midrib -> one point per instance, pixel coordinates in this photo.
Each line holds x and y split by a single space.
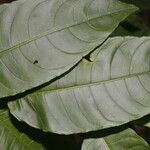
92 84
51 31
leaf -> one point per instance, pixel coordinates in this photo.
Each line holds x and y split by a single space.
124 140
11 138
40 40
112 90
147 125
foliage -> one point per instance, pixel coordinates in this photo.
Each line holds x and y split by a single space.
64 70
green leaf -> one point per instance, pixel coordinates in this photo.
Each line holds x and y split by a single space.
147 125
40 40
11 138
112 90
125 140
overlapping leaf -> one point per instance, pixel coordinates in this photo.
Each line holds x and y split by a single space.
147 125
110 91
42 39
125 140
11 138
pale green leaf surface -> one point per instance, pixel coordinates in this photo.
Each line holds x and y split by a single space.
147 125
42 39
11 138
112 90
125 140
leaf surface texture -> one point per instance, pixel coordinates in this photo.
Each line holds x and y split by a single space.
11 138
112 90
125 140
42 39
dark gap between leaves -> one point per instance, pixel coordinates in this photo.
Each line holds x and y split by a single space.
74 141
142 131
116 129
6 1
50 141
129 27
144 15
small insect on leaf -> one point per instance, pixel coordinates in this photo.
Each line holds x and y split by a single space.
35 62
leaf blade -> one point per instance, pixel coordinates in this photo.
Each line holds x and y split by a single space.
11 138
34 31
124 140
104 93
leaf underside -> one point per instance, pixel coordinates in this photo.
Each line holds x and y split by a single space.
125 140
147 125
112 90
37 45
11 138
